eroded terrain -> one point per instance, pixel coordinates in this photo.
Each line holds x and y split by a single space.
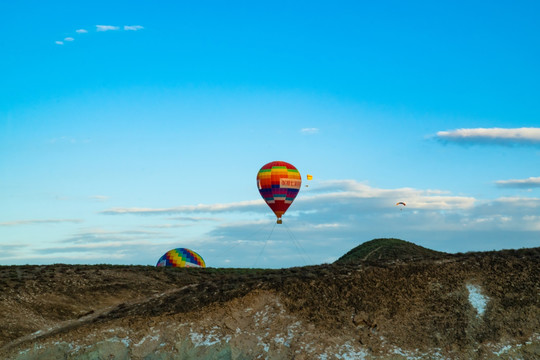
474 305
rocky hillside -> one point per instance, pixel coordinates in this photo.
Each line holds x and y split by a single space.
462 306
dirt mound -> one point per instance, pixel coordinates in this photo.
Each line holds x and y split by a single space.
388 249
474 305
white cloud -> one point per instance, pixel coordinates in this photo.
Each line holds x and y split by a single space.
99 197
167 226
330 193
344 190
323 223
532 182
101 28
330 224
326 226
519 201
96 246
492 135
106 28
39 221
104 236
63 140
201 208
309 131
194 218
342 205
133 27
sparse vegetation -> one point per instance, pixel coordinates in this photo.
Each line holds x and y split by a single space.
388 249
384 288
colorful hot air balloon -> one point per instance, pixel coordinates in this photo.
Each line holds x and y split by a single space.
279 183
181 257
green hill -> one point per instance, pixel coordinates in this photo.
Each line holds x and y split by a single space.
388 249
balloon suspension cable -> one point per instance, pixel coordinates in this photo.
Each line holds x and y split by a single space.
239 242
299 246
262 250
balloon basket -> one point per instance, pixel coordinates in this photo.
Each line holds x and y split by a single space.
279 221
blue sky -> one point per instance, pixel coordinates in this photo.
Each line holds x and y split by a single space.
130 128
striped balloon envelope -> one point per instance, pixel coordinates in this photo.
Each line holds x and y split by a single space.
279 183
181 257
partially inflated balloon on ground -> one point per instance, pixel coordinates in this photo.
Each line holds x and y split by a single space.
279 183
181 257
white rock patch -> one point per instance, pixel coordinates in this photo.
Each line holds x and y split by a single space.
477 300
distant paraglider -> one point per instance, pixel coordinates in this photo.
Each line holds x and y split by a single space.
181 257
402 205
279 183
309 178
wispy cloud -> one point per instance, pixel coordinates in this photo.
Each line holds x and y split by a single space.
309 131
39 221
183 221
193 218
167 226
337 205
532 182
133 27
63 139
100 28
492 136
331 224
101 246
96 251
107 27
325 222
185 209
350 191
329 192
99 197
100 236
8 249
518 202
68 140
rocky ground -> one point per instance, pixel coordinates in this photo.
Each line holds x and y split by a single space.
463 306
